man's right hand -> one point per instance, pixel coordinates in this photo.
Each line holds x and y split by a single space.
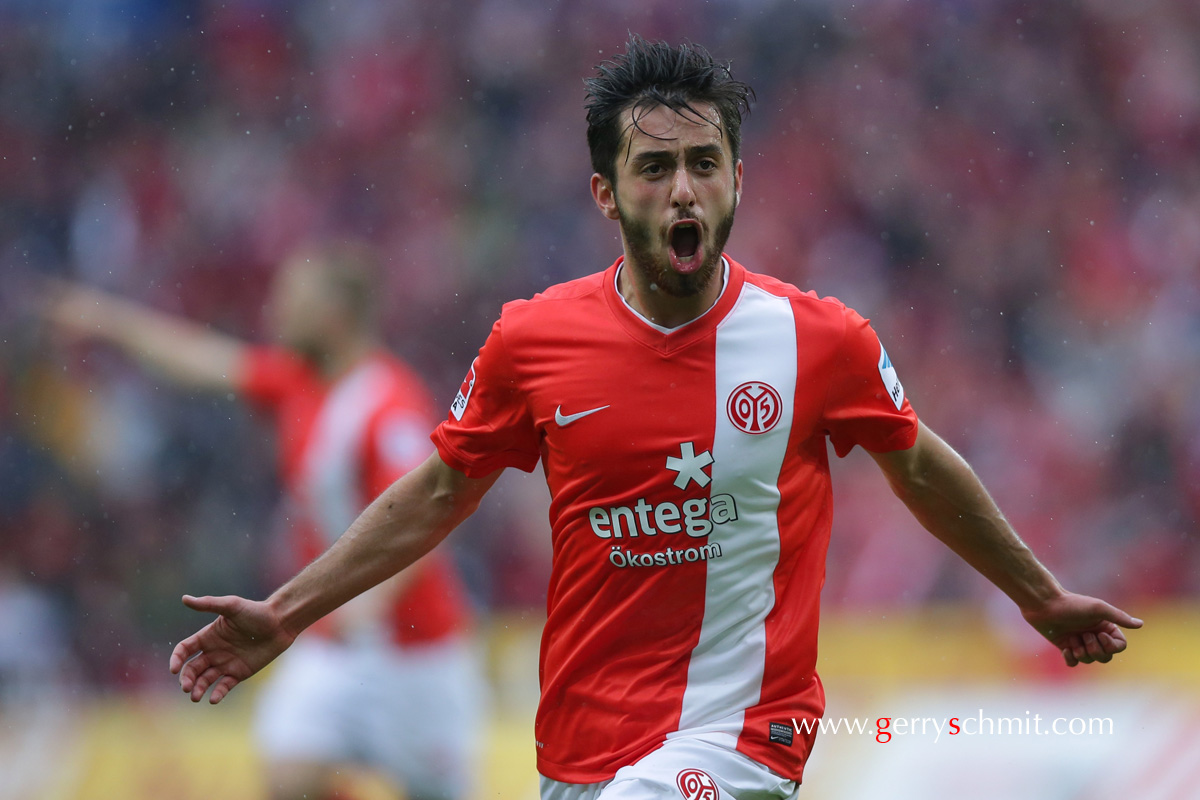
78 310
187 353
242 640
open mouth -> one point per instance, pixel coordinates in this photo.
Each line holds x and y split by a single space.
685 240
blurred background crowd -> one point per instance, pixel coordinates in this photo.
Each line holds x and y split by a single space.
1010 190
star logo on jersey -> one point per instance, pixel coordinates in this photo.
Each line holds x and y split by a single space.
689 466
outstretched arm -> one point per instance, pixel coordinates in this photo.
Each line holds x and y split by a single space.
404 523
183 351
946 496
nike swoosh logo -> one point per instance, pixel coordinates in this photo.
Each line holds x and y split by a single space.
564 420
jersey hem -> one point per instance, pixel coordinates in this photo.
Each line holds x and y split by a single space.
458 460
578 776
902 439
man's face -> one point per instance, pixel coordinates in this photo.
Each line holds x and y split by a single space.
300 309
676 191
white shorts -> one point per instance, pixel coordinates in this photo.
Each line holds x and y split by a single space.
687 768
415 713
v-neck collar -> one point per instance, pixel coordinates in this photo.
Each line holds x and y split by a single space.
667 340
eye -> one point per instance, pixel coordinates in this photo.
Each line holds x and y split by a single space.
706 165
652 169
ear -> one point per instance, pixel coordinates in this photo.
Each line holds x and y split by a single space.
737 183
605 196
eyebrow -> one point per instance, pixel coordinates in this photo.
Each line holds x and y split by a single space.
692 152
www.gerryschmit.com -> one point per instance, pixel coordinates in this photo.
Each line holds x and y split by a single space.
884 728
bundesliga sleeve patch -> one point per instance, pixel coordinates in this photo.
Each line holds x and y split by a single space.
891 381
459 406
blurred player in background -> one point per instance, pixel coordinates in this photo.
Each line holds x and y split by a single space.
390 680
681 407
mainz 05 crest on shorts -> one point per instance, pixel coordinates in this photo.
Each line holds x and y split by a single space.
695 784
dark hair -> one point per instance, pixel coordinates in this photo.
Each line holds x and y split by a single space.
651 74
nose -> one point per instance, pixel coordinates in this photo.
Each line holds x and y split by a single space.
682 195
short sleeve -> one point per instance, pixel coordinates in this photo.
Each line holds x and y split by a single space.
267 375
489 426
866 405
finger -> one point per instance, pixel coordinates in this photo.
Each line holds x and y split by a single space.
221 688
206 679
186 650
216 605
182 652
193 670
1114 614
1079 650
1094 650
1069 657
1112 643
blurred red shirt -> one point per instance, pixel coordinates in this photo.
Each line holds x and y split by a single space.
342 444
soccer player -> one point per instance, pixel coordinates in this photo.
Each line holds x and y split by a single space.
389 680
680 406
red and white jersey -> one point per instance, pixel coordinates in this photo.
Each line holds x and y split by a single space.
340 445
690 505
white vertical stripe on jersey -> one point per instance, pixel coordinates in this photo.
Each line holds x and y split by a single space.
333 493
756 342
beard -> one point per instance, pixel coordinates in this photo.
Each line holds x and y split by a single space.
639 239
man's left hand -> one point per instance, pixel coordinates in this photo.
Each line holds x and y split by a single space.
1084 628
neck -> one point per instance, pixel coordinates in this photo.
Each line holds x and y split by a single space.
661 308
335 361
